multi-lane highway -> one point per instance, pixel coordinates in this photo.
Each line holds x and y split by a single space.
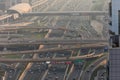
5 16
39 71
88 72
53 33
52 42
52 59
40 48
52 49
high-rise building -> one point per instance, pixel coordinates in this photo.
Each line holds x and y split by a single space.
116 16
114 64
114 56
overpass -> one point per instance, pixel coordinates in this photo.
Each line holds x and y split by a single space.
5 16
11 35
91 68
67 13
50 42
52 59
23 9
51 49
15 27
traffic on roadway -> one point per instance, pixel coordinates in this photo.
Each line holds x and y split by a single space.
53 39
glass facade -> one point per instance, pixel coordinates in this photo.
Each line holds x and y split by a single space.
119 21
114 64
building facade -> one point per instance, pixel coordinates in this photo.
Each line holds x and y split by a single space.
114 64
116 16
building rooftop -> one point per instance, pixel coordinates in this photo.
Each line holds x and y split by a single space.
20 8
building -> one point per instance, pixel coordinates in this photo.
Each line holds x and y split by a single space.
115 16
114 64
4 4
114 56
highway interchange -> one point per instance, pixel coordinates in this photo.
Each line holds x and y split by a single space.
58 69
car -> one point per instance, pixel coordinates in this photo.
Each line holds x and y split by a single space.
92 65
73 79
48 62
56 78
10 71
32 72
10 76
87 71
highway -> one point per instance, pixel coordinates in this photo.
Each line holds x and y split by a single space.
75 72
58 22
13 28
17 24
52 59
67 13
51 49
36 71
56 71
30 65
55 68
11 35
5 16
48 41
54 39
74 68
9 73
54 35
16 73
13 70
38 3
86 75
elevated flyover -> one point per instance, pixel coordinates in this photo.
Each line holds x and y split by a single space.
67 13
52 49
5 16
15 27
24 9
11 35
50 42
52 59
